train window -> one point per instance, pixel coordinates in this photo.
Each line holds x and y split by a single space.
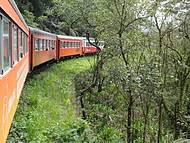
6 46
37 44
26 41
67 44
53 44
46 44
40 44
49 45
23 41
15 44
21 45
62 44
43 44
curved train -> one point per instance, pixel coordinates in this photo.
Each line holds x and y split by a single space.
22 48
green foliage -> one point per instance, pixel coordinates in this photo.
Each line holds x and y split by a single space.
29 18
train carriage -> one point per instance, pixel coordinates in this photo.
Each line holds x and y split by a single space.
42 47
88 48
69 46
14 63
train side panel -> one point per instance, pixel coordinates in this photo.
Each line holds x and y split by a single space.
43 56
11 85
14 64
90 50
70 52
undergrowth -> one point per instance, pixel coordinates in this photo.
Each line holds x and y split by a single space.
47 110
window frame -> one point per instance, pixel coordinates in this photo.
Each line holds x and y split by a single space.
2 63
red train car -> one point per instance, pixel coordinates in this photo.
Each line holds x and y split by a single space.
14 63
87 47
42 47
69 46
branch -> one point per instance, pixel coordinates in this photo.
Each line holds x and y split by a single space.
88 38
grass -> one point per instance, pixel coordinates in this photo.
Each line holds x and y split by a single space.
47 111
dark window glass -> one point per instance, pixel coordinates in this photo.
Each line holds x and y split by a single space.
43 44
64 44
46 44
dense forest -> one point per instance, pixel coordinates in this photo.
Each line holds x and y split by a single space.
138 90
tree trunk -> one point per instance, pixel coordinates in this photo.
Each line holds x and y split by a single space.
176 127
145 123
159 121
129 134
82 107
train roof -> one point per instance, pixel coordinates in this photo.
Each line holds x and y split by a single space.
73 37
12 2
39 32
69 37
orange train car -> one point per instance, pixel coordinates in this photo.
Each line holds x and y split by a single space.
69 46
87 47
14 63
42 47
